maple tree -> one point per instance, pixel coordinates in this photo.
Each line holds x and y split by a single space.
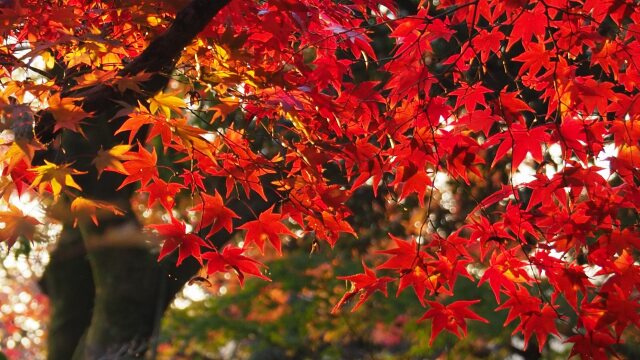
194 120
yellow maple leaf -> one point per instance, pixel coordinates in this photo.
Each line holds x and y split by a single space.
82 208
110 62
166 103
55 175
78 56
49 59
111 159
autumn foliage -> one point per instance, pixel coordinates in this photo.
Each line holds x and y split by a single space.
528 109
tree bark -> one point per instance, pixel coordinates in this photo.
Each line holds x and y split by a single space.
107 290
68 283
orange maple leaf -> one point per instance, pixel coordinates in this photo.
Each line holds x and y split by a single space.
16 224
67 113
111 159
82 207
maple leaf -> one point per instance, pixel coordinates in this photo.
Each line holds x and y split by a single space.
591 94
18 177
530 23
519 302
82 207
111 159
594 345
510 107
364 284
193 179
189 137
504 192
450 317
567 279
404 256
16 223
232 257
463 155
479 120
131 82
506 271
409 262
161 191
226 106
139 166
534 59
470 96
539 322
521 141
267 226
175 237
67 113
215 213
56 176
615 306
523 305
21 151
135 121
166 103
329 226
487 42
411 179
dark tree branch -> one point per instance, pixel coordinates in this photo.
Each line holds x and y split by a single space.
159 58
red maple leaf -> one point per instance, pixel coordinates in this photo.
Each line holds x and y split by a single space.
193 179
505 271
529 23
534 59
521 141
410 179
450 317
470 96
364 284
595 345
175 237
404 256
215 213
409 262
532 319
232 257
541 322
267 226
163 192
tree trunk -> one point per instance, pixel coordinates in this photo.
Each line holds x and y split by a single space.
69 284
107 290
132 291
